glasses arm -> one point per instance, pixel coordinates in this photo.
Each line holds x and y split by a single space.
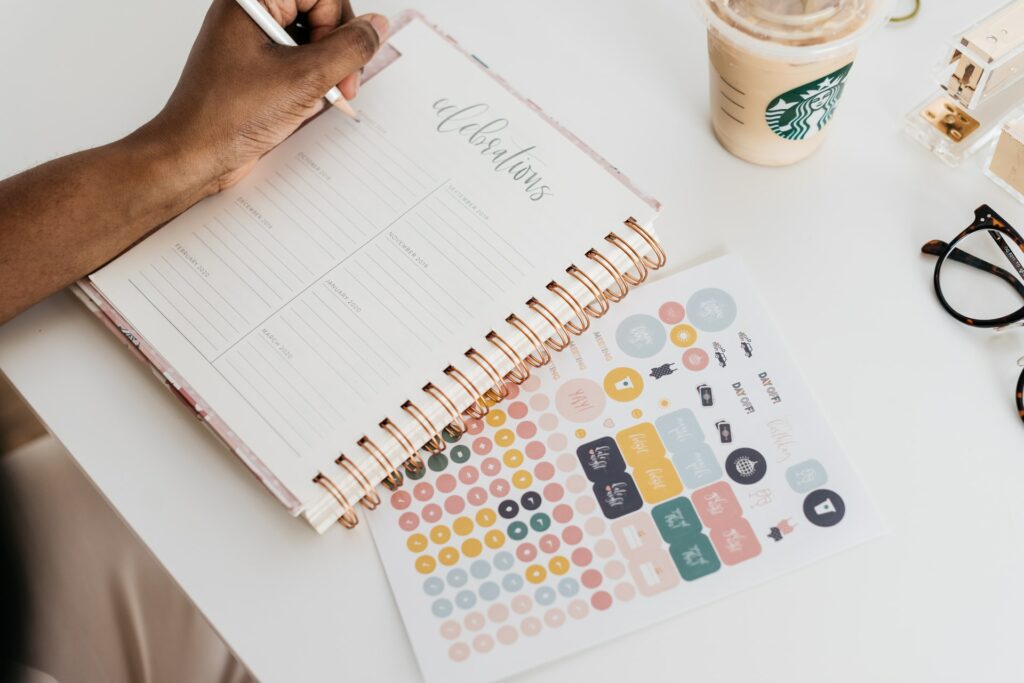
939 248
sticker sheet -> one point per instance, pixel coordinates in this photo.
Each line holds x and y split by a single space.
670 457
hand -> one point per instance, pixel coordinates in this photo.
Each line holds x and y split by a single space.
240 94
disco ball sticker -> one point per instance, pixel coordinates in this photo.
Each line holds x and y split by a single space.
746 466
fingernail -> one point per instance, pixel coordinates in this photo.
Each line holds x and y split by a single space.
380 25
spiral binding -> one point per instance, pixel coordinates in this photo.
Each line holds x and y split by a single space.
559 338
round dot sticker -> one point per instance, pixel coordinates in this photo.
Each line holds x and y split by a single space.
540 522
522 479
465 599
468 474
601 600
535 450
572 535
508 509
604 548
558 565
576 483
517 410
526 552
474 621
568 587
591 578
640 335
454 504
585 506
623 385
531 626
554 617
472 547
512 582
437 462
503 561
549 543
462 526
431 512
517 531
423 491
521 604
433 586
446 483
497 613
530 500
457 577
416 543
442 607
548 422
450 630
476 496
459 454
448 556
504 437
581 557
625 592
483 643
507 635
711 309
485 518
578 609
440 534
535 573
545 596
409 521
499 488
557 442
544 471
480 569
459 652
512 458
474 426
539 401
489 590
490 466
425 564
695 359
482 445
615 570
671 312
494 539
526 429
495 418
562 513
400 500
683 336
566 462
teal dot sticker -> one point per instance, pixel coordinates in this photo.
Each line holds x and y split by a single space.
711 310
641 336
465 599
417 474
457 578
503 561
540 522
513 583
489 590
460 454
450 438
437 462
480 569
441 608
545 595
568 587
517 531
433 586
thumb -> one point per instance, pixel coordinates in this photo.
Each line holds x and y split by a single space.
346 49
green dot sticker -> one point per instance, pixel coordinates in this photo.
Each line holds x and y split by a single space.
417 474
449 437
517 531
539 522
460 454
437 462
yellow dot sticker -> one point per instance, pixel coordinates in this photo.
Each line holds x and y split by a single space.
440 534
494 539
485 517
462 526
522 479
580 433
416 543
513 458
536 573
637 413
558 565
683 335
448 556
425 564
504 437
472 547
495 418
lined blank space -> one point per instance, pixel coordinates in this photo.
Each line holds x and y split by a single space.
255 397
344 377
467 241
255 241
231 250
465 262
275 396
459 215
289 372
213 290
215 253
328 327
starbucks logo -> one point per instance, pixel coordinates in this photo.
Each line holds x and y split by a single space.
803 111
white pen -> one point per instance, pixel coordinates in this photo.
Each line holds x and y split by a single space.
276 33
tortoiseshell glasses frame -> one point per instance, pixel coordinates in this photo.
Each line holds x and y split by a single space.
1003 234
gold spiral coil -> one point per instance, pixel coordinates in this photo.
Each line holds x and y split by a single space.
520 371
499 387
599 298
394 476
556 325
436 444
479 408
369 499
414 463
577 308
616 275
632 255
540 355
647 237
457 425
348 516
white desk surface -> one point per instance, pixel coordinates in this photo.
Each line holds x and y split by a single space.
921 403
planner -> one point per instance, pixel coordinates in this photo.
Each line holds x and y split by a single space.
374 285
674 456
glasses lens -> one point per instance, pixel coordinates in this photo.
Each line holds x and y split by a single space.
979 280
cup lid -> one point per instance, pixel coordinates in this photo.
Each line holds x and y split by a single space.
791 27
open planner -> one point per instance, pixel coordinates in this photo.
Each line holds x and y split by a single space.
373 283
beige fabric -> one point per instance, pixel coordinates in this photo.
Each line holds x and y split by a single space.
103 608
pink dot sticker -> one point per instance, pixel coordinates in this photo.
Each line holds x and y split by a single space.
594 526
549 543
450 630
615 570
554 492
474 621
400 500
431 512
625 592
557 442
484 643
535 450
601 600
482 445
474 426
531 384
446 483
517 410
409 521
521 604
586 505
526 429
499 488
526 552
562 513
572 534
671 312
459 652
490 466
468 474
544 471
576 483
566 462
513 392
423 491
554 617
604 548
581 557
497 613
548 422
578 609
476 496
539 401
531 626
591 578
454 504
507 635
695 359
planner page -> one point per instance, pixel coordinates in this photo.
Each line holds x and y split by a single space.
673 457
359 259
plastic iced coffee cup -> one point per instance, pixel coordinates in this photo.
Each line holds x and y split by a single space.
778 69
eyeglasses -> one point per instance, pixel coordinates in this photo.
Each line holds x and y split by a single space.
972 287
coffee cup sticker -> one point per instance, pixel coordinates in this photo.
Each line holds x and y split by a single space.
641 445
601 459
676 519
679 428
716 503
634 533
746 466
695 557
618 497
697 465
653 571
824 508
623 384
736 541
658 481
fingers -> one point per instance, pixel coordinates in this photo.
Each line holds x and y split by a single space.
324 16
345 50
